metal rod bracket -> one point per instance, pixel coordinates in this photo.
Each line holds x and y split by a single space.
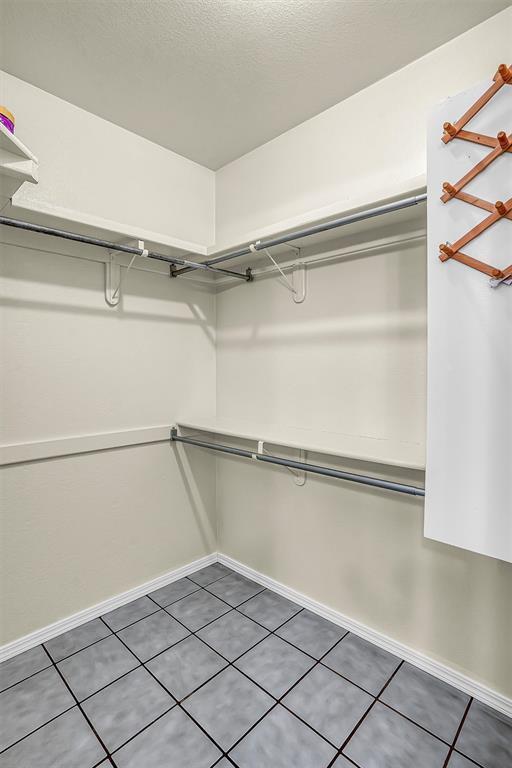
299 282
112 279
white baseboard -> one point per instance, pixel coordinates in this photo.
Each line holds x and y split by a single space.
466 684
64 625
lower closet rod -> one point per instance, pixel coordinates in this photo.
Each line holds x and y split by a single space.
27 225
327 471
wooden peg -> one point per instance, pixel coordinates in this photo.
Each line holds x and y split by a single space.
505 73
503 140
450 129
497 273
446 252
449 189
501 207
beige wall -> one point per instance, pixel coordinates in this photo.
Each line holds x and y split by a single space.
368 147
96 173
80 529
351 358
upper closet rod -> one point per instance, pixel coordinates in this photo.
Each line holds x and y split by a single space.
118 247
369 213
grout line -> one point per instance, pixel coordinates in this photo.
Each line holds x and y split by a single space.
93 729
163 607
38 728
116 680
457 733
279 700
231 664
4 690
58 661
203 586
470 760
418 725
103 759
365 715
136 621
178 704
148 725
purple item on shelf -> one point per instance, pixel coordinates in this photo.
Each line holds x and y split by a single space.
8 123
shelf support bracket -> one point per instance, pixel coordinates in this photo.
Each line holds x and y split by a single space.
297 285
299 476
113 275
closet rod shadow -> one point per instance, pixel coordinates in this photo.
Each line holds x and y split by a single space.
352 218
27 225
376 482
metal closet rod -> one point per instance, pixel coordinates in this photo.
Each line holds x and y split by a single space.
369 213
26 225
376 482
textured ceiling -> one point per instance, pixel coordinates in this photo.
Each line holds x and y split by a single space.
212 79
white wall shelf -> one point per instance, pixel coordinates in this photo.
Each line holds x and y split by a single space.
388 193
41 212
391 453
17 165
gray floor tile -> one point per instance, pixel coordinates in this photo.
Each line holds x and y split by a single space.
486 737
235 589
387 740
89 670
275 665
66 742
361 662
152 635
282 741
126 707
23 665
186 666
127 614
76 639
232 635
270 609
30 704
228 706
174 741
210 574
172 592
459 761
342 762
430 702
198 609
311 633
327 702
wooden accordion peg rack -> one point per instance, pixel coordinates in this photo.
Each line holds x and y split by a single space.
498 210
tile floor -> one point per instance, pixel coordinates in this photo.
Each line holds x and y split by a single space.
215 670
